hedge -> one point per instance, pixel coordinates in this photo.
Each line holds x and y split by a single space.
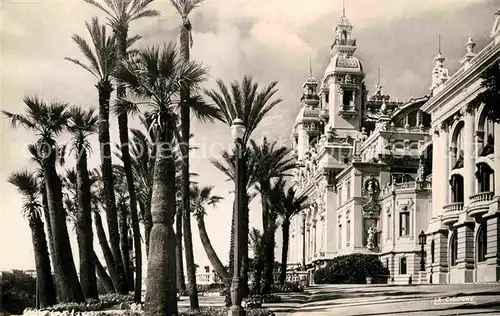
352 269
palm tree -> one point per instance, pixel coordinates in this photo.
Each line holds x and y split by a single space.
122 204
273 161
83 124
157 75
27 184
48 121
102 59
245 101
184 7
120 14
256 242
292 205
200 198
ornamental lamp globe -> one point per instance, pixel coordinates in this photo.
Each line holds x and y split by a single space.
422 238
238 129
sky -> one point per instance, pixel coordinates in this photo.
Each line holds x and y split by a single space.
267 39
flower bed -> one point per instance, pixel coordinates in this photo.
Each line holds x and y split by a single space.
104 301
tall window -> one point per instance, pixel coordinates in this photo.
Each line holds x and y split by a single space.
348 190
432 251
389 226
402 265
348 231
314 239
340 236
339 194
481 243
457 188
412 119
404 223
453 249
347 98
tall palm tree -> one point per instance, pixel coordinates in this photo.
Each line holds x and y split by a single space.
101 60
27 184
246 101
47 121
292 205
157 75
120 14
256 242
273 161
184 7
83 123
201 197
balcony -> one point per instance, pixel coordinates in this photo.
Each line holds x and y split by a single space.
480 203
451 211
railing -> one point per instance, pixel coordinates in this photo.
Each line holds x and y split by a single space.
481 197
405 185
296 276
206 278
454 207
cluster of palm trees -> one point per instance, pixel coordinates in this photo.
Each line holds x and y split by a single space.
163 86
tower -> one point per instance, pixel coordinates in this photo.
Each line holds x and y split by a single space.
343 80
439 73
307 125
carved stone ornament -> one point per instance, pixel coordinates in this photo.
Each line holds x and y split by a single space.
370 242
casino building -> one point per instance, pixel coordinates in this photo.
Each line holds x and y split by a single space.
379 171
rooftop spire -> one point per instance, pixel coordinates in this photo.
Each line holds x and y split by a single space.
310 66
343 8
378 76
439 43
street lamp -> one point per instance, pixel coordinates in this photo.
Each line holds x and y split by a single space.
238 132
304 240
422 240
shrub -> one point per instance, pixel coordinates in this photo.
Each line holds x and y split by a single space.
104 301
223 311
17 292
352 269
209 288
288 287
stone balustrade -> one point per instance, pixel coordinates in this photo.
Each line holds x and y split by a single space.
481 197
454 207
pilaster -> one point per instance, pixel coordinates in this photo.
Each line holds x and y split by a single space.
497 159
438 270
463 272
440 170
491 272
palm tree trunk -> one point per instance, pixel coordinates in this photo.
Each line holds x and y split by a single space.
179 262
127 164
231 242
84 233
103 276
105 90
211 254
269 255
106 250
124 249
244 234
47 225
64 265
285 227
161 292
148 223
46 286
185 125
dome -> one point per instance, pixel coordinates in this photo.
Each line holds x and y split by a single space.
308 114
344 63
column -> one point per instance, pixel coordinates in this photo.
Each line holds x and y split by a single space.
303 142
469 156
465 255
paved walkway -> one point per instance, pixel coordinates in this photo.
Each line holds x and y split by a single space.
375 300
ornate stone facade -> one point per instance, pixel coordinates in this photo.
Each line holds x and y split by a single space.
367 165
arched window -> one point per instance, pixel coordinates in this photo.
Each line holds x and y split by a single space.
412 118
402 265
481 243
457 188
457 146
432 251
453 249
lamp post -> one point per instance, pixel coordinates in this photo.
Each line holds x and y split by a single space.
237 131
304 240
422 240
